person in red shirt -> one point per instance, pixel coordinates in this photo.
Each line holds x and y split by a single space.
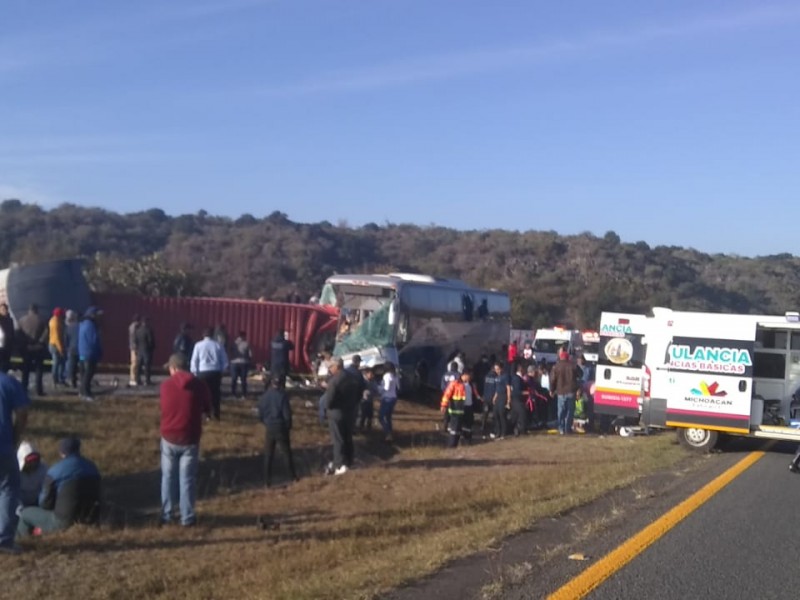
513 350
185 402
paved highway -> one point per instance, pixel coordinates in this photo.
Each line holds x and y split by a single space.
743 543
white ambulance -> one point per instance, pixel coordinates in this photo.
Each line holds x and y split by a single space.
709 373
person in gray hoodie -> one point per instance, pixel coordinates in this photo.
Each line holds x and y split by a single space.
241 358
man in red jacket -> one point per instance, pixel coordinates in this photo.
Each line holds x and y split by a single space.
185 401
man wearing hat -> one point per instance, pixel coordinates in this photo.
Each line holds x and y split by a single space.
90 351
70 494
14 404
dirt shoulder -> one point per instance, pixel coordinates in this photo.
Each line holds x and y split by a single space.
534 563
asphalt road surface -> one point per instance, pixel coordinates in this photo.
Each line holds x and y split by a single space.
743 543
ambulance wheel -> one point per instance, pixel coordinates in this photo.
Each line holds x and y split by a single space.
699 440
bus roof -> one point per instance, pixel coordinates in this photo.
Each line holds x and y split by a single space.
396 280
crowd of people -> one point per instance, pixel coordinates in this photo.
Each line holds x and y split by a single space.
517 396
514 396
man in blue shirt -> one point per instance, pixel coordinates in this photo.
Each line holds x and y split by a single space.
90 351
14 404
70 494
209 361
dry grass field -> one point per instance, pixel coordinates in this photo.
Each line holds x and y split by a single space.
403 511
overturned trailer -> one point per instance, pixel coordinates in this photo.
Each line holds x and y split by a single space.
62 284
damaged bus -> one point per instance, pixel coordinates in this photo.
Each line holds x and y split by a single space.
416 322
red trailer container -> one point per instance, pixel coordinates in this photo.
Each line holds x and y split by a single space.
308 325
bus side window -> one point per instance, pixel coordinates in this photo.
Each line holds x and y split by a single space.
402 330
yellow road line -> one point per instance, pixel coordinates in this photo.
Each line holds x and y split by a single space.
612 562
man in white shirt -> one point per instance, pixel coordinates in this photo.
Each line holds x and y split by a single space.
208 363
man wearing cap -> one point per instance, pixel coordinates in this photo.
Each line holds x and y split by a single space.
90 351
185 402
564 383
14 404
56 345
70 494
33 340
6 338
209 361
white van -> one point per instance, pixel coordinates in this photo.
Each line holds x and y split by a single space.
548 342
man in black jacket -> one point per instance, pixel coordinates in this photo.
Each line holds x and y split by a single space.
275 412
6 338
341 400
279 356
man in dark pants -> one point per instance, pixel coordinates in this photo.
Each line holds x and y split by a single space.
518 412
145 346
90 351
275 412
6 338
341 400
500 401
279 356
33 337
208 363
70 494
489 388
14 404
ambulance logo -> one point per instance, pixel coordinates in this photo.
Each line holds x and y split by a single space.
709 390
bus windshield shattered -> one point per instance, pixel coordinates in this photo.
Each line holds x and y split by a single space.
365 317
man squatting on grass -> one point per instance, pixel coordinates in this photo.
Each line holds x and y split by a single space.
70 494
185 401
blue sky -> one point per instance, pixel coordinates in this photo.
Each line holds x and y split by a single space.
672 122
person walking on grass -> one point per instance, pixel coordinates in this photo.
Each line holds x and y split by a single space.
14 403
90 351
279 356
454 405
341 399
564 382
241 358
185 401
209 361
275 412
388 400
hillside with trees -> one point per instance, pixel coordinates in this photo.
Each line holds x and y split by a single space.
551 278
